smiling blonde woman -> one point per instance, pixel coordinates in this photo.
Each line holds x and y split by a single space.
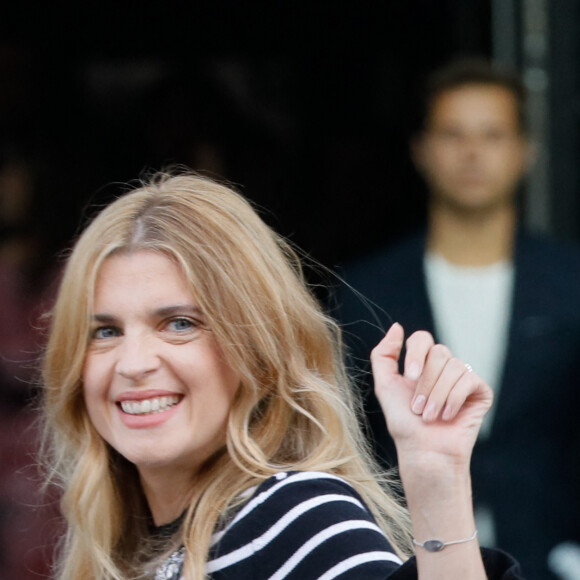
201 424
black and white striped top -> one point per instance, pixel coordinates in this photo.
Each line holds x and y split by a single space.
298 525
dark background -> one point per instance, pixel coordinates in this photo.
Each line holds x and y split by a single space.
306 106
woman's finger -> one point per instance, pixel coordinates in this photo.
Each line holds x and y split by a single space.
445 384
385 356
469 386
436 359
418 346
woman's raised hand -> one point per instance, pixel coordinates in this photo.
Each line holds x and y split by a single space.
435 409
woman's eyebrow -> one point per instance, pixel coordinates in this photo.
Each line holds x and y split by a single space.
103 318
178 309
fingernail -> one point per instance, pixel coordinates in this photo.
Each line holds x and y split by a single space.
419 404
430 412
413 370
447 413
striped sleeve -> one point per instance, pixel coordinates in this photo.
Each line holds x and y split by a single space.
302 525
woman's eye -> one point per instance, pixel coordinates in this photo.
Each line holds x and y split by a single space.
104 332
181 324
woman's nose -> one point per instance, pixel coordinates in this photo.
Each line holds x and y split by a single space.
137 358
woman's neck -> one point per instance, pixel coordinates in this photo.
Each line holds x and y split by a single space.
168 495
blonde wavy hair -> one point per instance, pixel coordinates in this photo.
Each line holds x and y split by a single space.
293 409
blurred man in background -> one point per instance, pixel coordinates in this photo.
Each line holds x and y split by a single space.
503 300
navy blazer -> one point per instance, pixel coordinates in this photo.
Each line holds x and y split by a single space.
528 470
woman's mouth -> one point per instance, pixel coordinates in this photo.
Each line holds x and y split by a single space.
149 406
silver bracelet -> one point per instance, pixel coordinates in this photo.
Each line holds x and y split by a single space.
438 545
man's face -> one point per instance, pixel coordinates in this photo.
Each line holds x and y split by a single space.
472 153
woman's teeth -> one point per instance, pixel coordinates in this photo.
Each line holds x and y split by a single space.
147 406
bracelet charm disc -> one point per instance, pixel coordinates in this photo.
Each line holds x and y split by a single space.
433 545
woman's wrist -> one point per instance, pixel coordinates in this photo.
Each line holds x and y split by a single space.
439 500
436 489
433 467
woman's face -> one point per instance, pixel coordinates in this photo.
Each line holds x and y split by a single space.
156 385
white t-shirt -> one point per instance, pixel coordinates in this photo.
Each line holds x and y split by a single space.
471 310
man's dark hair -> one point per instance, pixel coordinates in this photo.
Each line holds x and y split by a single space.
472 71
